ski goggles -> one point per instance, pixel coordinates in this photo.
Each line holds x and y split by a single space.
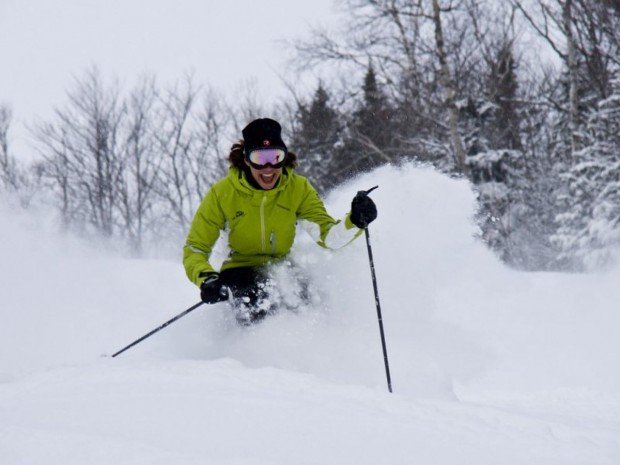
261 158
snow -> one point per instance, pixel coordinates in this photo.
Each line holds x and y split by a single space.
489 365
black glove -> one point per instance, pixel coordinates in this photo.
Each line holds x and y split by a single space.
363 210
212 290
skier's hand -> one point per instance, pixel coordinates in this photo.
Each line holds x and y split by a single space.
212 290
363 210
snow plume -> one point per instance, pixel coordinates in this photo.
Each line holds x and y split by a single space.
417 230
486 362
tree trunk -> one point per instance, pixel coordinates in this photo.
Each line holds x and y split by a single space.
573 98
450 90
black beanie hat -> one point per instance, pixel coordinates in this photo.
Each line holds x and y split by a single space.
262 133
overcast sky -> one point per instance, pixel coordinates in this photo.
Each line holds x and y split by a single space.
44 43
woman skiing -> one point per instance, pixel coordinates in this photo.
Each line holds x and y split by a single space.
259 203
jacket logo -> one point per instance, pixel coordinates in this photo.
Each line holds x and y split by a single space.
266 143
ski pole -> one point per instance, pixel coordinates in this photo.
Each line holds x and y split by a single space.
159 328
378 304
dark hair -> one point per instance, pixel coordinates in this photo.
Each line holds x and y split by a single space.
237 157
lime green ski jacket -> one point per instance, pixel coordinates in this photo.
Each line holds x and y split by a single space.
261 224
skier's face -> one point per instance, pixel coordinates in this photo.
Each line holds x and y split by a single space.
266 177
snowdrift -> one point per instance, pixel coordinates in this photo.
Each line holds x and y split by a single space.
489 365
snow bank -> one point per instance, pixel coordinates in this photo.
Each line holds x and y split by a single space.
187 412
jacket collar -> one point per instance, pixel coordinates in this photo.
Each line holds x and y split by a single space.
241 183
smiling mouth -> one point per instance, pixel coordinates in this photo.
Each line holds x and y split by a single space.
268 178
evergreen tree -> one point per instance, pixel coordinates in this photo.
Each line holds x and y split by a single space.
317 139
502 89
510 183
490 119
590 225
371 133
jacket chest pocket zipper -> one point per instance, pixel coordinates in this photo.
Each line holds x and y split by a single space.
272 241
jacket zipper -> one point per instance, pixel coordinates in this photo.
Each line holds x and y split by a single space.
262 223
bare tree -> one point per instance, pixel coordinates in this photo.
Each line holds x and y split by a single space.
584 35
83 156
209 161
132 166
175 140
189 142
7 169
141 163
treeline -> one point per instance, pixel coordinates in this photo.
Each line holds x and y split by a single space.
522 98
454 84
130 167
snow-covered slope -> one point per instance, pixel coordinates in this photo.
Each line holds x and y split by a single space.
488 365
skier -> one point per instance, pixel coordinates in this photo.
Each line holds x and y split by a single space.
259 203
